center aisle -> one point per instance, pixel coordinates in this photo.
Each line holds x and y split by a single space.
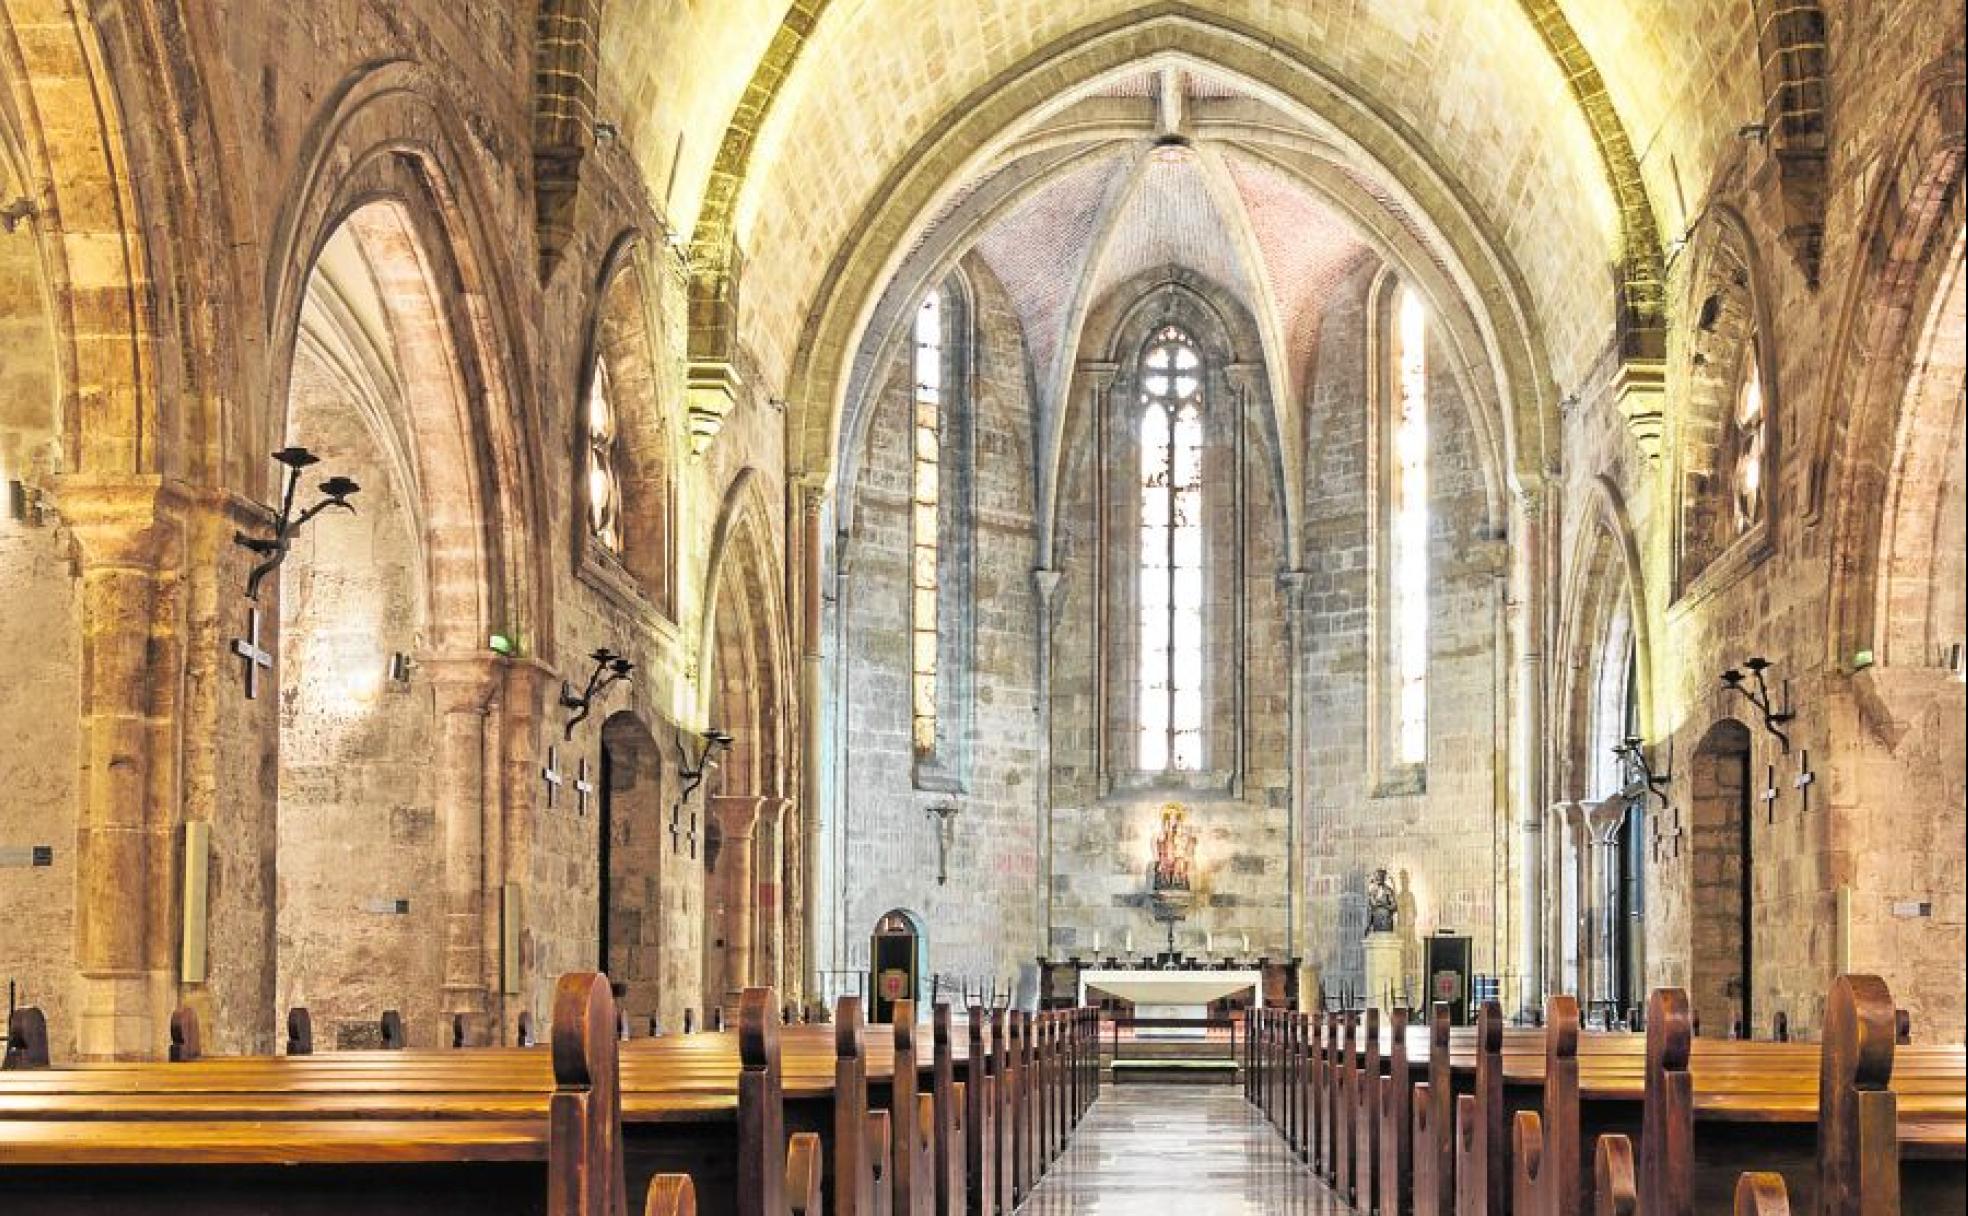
1178 1150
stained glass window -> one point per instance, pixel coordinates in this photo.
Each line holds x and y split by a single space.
604 483
1171 677
1747 423
926 499
1408 538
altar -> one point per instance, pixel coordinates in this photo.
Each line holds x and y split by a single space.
1172 994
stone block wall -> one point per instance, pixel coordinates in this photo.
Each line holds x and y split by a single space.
980 921
1442 840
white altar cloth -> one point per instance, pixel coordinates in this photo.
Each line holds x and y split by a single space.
1173 988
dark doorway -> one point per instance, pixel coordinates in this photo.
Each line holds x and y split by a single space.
1722 965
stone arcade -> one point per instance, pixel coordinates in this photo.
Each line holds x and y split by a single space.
1242 519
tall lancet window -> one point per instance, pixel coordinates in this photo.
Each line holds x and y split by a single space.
604 482
1171 678
1746 444
926 498
1408 535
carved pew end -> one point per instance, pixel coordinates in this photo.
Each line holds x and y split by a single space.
1618 1188
1762 1195
803 1172
185 1039
671 1195
27 1039
300 1031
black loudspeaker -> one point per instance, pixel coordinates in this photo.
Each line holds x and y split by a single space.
1449 974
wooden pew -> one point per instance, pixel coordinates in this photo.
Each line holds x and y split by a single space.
562 1159
1005 1068
854 1165
1545 1178
1858 1115
300 1031
1366 1117
980 1123
949 1094
27 1040
186 1042
1394 1186
912 1159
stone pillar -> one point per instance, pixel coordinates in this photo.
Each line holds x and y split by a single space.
1045 583
737 818
467 806
768 907
129 538
516 724
1527 594
1293 583
800 903
1603 822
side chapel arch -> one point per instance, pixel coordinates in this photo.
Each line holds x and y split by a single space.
744 690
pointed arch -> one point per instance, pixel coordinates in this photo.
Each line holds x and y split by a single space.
383 158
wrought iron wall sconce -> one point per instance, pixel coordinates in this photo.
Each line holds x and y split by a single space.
610 670
944 816
1639 771
286 525
712 740
1774 717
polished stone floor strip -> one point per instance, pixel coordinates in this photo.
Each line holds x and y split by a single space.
1178 1150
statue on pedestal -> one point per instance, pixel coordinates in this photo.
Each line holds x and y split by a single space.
1382 903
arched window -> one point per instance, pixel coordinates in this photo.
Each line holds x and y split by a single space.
926 496
1171 675
1407 537
1746 444
603 481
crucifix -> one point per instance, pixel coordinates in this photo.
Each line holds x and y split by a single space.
1769 794
1804 780
256 657
582 786
1667 837
943 815
679 834
551 775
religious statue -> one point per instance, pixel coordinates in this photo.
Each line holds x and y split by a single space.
1381 903
1175 850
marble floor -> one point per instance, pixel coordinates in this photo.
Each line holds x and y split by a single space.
1178 1150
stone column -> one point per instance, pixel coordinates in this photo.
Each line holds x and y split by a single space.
813 501
1045 585
737 818
516 724
1293 583
768 908
463 690
1603 822
129 538
1527 592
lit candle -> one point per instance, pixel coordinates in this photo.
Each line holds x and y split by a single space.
1096 941
1130 941
1209 942
1246 944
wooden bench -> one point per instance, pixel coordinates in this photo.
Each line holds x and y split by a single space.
136 1157
1449 1153
678 1096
